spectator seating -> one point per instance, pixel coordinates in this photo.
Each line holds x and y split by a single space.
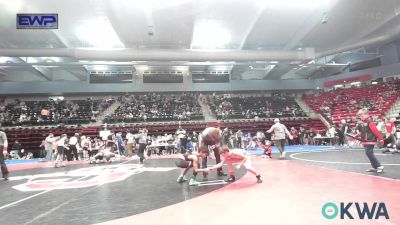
345 103
249 107
156 107
29 113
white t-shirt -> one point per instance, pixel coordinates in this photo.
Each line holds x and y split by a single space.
49 142
130 138
73 140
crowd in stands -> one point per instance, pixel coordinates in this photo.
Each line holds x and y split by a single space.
340 107
156 107
51 112
152 107
259 106
340 104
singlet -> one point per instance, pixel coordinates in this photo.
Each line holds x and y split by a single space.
186 156
236 151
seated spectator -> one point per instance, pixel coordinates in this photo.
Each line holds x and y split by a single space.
45 113
16 150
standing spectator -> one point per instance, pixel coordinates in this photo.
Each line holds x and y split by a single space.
48 147
3 149
340 134
120 144
239 139
311 134
345 130
369 137
280 132
332 134
42 151
225 136
86 147
301 135
295 136
129 143
232 139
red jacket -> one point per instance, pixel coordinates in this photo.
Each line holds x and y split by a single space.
369 134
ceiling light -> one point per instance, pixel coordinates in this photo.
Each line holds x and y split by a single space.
11 6
51 59
5 59
311 4
99 33
209 35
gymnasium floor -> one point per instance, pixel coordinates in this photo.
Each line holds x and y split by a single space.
124 192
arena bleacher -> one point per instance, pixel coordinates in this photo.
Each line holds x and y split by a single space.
344 104
249 107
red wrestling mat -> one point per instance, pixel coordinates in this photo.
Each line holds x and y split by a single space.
291 193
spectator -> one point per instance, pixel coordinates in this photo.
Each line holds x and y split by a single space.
3 149
16 150
280 132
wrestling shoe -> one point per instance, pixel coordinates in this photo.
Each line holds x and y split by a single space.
371 170
193 182
221 174
181 179
231 179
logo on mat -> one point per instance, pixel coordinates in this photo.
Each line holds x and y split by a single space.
82 178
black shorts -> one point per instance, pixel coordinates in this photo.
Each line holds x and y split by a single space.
99 157
60 150
183 163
